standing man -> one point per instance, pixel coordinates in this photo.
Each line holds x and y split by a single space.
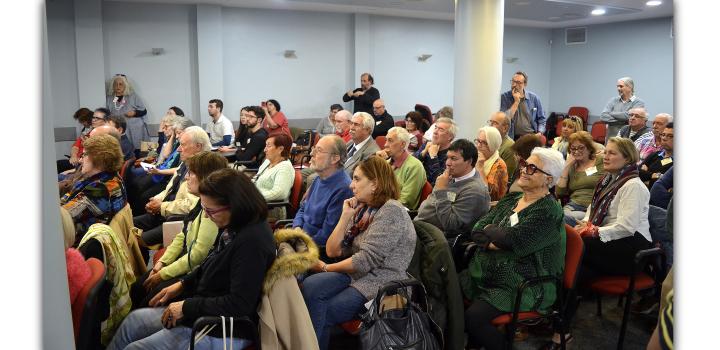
383 120
364 95
523 107
220 128
362 144
501 121
615 114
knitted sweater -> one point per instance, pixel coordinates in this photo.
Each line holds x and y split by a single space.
382 253
411 177
321 208
537 243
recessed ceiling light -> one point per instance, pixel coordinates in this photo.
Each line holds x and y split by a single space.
598 12
653 3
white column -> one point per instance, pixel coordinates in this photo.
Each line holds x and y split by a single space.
89 53
478 62
210 58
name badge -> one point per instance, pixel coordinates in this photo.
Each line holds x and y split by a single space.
238 144
666 161
451 196
378 123
514 219
591 170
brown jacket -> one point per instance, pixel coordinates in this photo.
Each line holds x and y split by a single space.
122 224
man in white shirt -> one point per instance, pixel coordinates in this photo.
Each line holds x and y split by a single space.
220 128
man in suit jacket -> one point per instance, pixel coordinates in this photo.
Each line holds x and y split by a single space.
362 145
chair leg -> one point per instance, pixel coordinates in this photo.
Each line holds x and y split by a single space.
623 326
599 305
509 336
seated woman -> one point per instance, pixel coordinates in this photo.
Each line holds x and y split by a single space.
522 237
84 117
276 174
78 271
227 283
522 148
570 125
416 126
242 132
376 238
191 245
490 166
583 169
659 162
275 122
101 192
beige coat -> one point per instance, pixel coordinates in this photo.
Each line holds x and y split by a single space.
122 225
284 321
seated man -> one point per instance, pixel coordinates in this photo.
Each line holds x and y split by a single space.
321 208
433 154
362 144
636 130
120 123
652 145
409 172
342 125
220 128
257 135
501 121
659 162
459 197
383 120
661 191
175 200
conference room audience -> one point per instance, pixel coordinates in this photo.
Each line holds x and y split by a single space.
326 126
252 151
444 112
241 134
321 206
648 146
491 167
659 162
228 282
409 172
570 125
191 245
522 237
275 121
375 239
434 153
383 120
122 100
362 144
100 193
416 126
342 125
583 169
522 149
276 174
172 112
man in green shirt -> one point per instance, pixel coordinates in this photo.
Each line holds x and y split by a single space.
408 170
501 121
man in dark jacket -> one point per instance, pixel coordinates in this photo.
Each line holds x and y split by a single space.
364 95
383 120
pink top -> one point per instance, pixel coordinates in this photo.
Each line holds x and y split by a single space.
282 122
78 272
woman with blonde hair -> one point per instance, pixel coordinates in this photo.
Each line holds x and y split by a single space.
570 125
491 167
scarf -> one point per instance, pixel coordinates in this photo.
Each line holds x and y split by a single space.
362 219
490 162
118 271
605 192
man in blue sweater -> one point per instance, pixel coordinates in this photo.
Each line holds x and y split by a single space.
322 204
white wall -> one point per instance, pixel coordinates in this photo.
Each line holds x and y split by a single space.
531 47
585 75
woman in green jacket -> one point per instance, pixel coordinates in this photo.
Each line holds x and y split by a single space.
521 237
191 245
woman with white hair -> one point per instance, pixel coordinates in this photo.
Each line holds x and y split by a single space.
491 167
522 237
121 100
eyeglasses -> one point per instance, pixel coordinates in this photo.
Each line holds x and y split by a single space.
518 82
316 150
577 149
667 136
635 115
530 169
493 123
213 212
378 107
479 142
98 118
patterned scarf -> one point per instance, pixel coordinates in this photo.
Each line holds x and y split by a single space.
118 271
605 192
362 219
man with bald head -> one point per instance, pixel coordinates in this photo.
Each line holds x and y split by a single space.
342 125
651 145
383 120
501 121
615 114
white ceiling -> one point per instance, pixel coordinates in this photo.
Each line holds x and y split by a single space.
529 13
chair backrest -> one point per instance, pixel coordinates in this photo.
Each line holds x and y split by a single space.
581 112
86 300
598 132
380 140
425 192
400 123
123 171
295 193
574 249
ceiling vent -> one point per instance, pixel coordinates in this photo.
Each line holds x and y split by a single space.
575 36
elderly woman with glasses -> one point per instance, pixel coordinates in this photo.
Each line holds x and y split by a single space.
375 239
191 245
570 125
583 169
522 237
491 167
416 126
227 283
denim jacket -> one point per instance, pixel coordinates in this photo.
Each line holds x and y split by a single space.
537 115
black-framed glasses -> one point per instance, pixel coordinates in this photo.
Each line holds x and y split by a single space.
577 149
213 212
479 142
667 136
530 169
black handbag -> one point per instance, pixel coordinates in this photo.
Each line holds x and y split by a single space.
405 326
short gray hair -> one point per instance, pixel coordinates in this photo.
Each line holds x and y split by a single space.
553 162
343 113
339 148
445 112
168 120
494 139
368 120
182 123
629 82
198 135
402 135
453 127
668 116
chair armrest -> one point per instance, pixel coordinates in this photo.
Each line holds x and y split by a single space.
285 223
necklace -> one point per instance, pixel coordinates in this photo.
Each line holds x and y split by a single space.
115 102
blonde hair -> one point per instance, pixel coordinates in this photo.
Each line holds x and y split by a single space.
626 147
68 227
105 152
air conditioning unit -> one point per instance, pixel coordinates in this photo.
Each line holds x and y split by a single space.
574 36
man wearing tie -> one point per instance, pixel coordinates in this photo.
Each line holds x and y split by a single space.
361 145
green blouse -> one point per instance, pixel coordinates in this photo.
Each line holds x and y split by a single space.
538 249
580 186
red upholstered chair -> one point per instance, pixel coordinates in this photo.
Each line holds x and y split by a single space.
85 308
574 249
598 132
400 123
625 286
424 193
128 163
581 112
380 140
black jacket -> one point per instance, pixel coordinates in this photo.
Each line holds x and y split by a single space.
364 102
385 123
